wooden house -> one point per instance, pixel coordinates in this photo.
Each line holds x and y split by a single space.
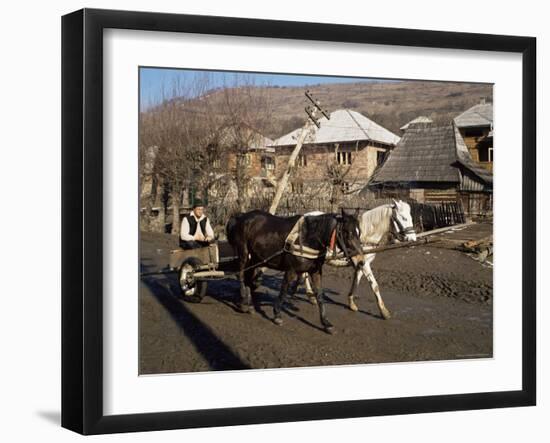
257 158
476 127
234 151
432 164
243 154
343 152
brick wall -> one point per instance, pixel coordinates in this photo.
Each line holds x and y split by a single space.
319 157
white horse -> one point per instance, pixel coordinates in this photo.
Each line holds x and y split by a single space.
376 224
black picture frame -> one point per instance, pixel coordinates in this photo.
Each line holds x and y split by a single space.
82 218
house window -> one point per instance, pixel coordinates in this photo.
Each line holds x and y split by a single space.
343 158
345 187
297 188
243 160
380 157
485 154
268 163
216 163
302 160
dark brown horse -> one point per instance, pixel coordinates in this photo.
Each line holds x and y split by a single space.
258 239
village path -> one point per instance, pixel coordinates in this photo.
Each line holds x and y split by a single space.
441 302
464 233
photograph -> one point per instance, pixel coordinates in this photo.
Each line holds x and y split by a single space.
293 220
275 222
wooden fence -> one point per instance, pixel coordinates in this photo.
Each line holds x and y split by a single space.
436 215
425 216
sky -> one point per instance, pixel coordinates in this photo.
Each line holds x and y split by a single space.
156 83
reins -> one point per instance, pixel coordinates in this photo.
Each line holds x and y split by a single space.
300 250
342 244
296 250
262 262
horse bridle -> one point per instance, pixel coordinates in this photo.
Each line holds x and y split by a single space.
402 232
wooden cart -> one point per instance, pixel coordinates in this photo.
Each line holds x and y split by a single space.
195 267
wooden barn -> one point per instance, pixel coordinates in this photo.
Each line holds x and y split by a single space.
432 164
476 127
343 152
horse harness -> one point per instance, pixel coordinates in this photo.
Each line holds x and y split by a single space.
401 230
398 234
300 250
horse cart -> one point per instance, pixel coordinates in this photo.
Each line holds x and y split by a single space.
195 267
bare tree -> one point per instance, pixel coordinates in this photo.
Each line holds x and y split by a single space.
247 111
182 127
194 129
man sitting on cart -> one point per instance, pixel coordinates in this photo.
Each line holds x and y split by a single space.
196 231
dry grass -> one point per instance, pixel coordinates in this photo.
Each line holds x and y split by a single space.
390 104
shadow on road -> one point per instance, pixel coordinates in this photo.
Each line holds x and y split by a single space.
360 311
218 354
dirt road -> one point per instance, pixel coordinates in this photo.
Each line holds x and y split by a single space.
440 299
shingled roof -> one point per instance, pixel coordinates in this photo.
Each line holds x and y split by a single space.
256 141
344 126
429 154
478 115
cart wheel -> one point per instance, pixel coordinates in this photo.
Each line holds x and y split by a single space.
191 289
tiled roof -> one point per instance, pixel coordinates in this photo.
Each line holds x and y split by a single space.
344 126
478 115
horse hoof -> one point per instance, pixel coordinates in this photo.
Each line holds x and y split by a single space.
385 314
353 307
245 309
278 321
330 330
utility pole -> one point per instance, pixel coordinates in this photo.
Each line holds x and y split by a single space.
311 111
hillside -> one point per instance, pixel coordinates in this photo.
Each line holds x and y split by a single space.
390 104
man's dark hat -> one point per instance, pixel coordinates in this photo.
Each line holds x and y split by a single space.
198 202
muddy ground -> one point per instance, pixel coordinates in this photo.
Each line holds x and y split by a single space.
440 300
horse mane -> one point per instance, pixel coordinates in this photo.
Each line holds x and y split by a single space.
375 224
